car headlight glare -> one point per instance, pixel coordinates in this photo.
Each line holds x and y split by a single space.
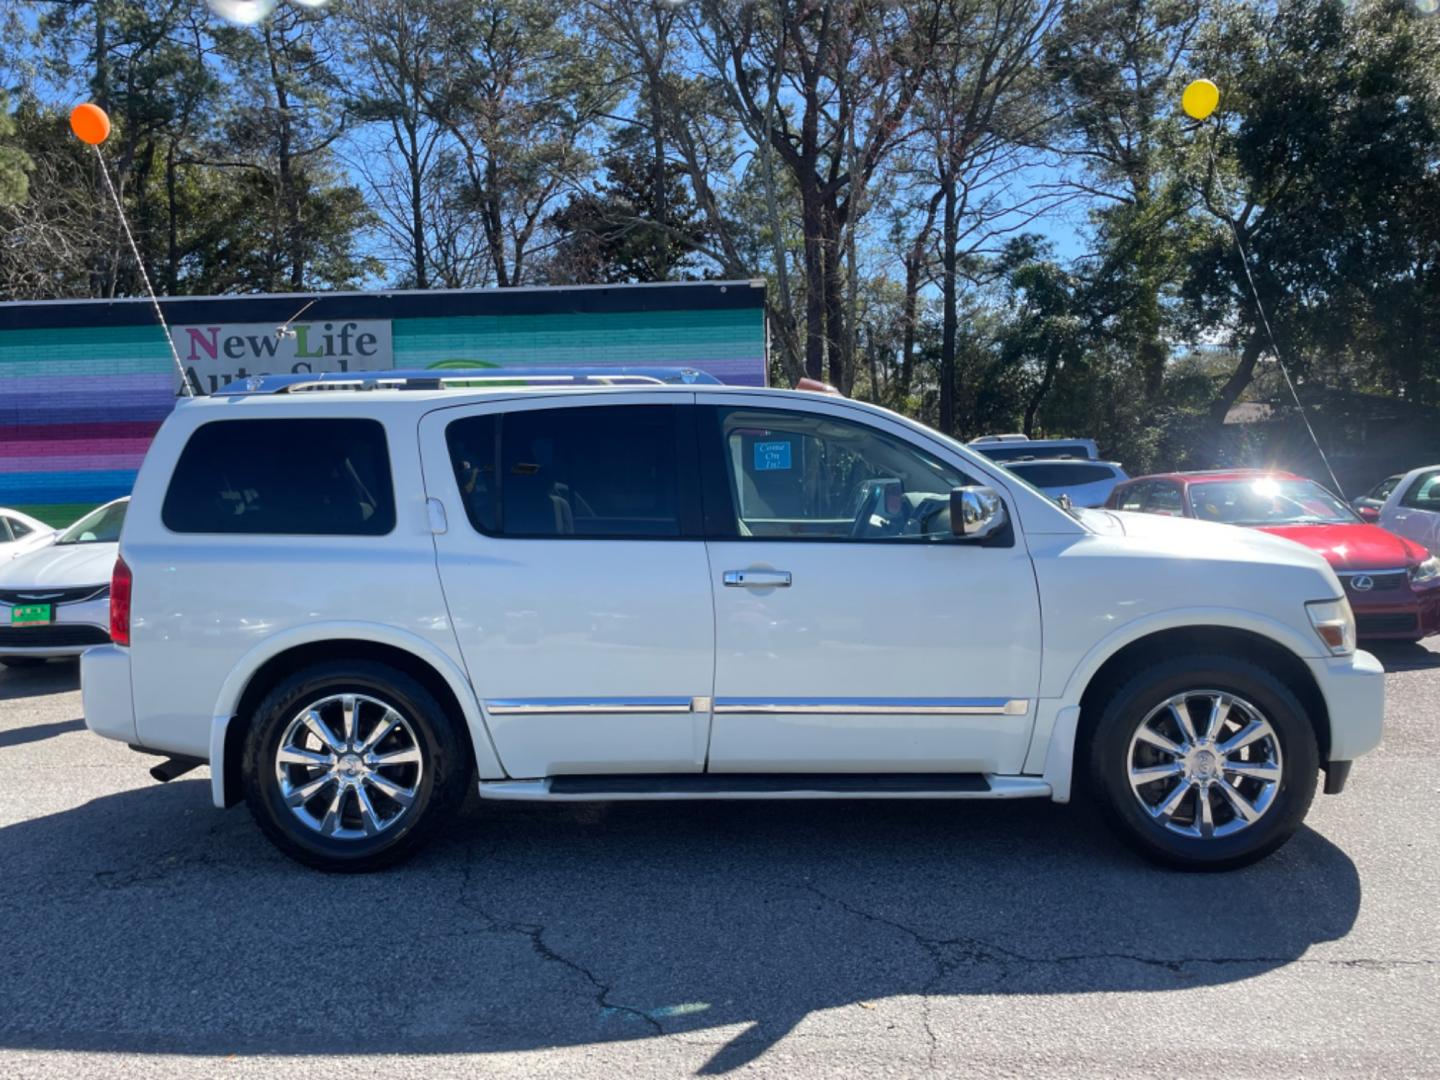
1425 572
1335 623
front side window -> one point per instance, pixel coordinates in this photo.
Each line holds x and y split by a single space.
597 472
797 475
1381 491
18 528
1132 497
1165 499
1424 493
309 477
100 526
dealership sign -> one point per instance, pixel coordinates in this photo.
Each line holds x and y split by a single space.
219 353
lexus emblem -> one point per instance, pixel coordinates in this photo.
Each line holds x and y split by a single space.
1362 583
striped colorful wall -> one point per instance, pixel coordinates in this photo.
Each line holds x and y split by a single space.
79 404
78 407
729 344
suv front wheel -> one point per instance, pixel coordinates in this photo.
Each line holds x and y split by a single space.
351 766
1204 762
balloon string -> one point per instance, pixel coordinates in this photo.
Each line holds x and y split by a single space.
1269 333
140 264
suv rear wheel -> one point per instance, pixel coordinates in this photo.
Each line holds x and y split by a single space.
351 766
1204 762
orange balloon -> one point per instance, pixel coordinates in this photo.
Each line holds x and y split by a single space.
90 124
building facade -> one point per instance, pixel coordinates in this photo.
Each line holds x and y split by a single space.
85 384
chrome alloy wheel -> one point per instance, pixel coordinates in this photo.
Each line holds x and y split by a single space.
349 766
1205 763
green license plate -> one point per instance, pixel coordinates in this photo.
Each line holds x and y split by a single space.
23 614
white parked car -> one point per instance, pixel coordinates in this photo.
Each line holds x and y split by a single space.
1412 509
1017 447
1086 483
351 603
21 533
55 601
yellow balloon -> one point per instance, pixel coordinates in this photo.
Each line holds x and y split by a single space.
1200 99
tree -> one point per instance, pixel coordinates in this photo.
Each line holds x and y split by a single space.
15 164
1323 173
629 229
397 51
296 224
977 115
1115 68
521 91
827 85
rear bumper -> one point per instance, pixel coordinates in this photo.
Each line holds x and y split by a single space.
1354 690
105 693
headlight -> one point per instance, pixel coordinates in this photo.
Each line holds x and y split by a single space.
1335 623
1426 572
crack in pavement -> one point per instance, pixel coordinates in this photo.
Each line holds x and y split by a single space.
535 933
979 951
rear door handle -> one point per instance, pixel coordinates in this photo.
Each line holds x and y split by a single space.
757 579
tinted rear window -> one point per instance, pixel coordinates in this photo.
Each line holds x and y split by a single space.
592 471
1060 475
288 477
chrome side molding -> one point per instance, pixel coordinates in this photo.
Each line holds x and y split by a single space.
591 706
759 706
876 706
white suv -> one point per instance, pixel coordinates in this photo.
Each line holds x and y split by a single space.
350 601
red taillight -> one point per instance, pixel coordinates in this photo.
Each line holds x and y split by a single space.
120 582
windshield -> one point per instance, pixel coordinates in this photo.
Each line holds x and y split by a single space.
1268 501
100 526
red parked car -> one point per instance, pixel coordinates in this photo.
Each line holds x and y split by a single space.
1393 584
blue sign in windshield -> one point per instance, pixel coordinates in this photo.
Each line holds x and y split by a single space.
772 455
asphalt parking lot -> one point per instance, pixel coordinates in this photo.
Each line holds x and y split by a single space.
143 932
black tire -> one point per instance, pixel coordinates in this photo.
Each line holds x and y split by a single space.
22 661
1109 762
443 772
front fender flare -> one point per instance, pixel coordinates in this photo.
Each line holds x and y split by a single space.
1052 743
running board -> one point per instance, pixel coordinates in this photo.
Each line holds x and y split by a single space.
626 786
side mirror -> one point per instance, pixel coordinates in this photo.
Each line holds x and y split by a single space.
1368 513
976 512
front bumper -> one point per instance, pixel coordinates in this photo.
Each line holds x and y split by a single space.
1354 691
77 627
1408 617
105 693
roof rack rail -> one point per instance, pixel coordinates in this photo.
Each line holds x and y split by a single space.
462 378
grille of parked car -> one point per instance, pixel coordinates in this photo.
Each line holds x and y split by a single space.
1378 582
1384 624
39 595
52 637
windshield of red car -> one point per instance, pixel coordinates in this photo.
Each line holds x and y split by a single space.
1268 501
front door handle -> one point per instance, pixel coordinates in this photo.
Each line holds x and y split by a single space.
757 579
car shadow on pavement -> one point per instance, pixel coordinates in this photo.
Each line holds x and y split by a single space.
1403 655
147 921
38 732
53 677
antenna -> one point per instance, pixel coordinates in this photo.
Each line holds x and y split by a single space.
140 265
283 331
1199 101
